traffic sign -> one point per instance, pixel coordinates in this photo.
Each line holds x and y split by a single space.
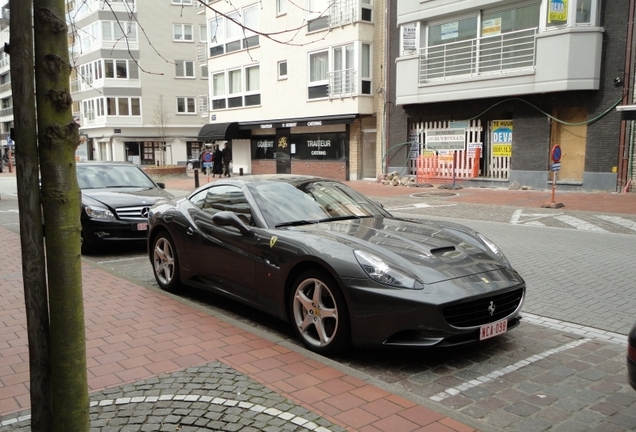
207 157
556 166
556 153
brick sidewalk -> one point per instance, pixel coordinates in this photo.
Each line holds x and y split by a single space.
135 333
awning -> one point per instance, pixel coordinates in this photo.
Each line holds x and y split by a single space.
300 121
221 132
628 112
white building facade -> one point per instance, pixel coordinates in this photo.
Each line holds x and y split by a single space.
296 87
139 91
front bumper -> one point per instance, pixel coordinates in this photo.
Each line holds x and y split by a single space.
96 230
384 316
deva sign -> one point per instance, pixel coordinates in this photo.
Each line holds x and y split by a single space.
501 138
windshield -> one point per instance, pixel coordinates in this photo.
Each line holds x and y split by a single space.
112 176
287 204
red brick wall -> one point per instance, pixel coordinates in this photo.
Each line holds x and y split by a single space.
336 170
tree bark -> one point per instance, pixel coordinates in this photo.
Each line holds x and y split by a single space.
33 265
58 138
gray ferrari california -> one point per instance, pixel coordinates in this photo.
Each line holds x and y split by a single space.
335 264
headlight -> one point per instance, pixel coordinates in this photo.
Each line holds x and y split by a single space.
495 250
96 212
381 272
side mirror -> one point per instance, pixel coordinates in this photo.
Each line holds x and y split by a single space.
162 185
227 218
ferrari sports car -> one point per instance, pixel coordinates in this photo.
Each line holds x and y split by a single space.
116 197
335 264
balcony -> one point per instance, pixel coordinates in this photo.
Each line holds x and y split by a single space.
509 64
5 112
342 83
6 87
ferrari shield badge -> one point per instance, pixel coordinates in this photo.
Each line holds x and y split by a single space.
272 241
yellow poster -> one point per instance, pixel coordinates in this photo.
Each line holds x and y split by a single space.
501 138
491 27
558 11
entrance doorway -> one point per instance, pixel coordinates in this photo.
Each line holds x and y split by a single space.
572 140
369 154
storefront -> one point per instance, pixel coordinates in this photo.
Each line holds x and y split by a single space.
309 146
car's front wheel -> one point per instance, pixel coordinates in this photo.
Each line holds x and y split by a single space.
165 263
319 313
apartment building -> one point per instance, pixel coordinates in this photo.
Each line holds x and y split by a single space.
6 100
298 87
139 91
494 85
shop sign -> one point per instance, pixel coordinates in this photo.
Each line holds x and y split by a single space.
314 123
491 27
450 30
446 139
266 126
409 38
289 125
502 138
558 10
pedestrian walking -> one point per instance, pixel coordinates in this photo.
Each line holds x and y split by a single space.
227 159
217 162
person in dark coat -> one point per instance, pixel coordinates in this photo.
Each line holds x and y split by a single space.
227 158
217 162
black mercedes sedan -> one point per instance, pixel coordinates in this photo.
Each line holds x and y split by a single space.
116 197
335 264
631 357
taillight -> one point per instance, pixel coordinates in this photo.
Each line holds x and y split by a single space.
631 352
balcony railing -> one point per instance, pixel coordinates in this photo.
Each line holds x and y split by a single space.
342 12
5 87
6 112
5 62
342 83
498 54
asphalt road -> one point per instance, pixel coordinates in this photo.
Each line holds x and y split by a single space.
562 369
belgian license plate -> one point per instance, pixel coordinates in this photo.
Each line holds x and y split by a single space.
493 329
142 226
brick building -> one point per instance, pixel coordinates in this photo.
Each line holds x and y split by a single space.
518 78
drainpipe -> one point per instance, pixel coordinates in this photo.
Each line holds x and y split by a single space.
622 159
387 87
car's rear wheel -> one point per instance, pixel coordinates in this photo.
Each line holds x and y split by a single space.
319 313
165 263
189 165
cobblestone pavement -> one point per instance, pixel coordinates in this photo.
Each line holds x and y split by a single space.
213 397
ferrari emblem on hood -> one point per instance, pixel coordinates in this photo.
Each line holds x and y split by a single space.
272 241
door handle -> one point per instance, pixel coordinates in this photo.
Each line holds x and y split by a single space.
190 231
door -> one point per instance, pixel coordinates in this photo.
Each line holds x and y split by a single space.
283 151
369 154
222 256
572 140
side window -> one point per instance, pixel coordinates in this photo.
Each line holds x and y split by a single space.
224 198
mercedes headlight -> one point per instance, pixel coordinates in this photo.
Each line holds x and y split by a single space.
380 271
96 212
498 254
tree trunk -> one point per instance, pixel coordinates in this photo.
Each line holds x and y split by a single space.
33 266
58 138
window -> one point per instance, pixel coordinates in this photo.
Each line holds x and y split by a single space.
281 7
282 69
182 2
204 71
235 32
573 12
113 31
318 15
318 75
203 33
236 88
184 69
365 69
186 105
182 32
123 106
342 75
121 69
